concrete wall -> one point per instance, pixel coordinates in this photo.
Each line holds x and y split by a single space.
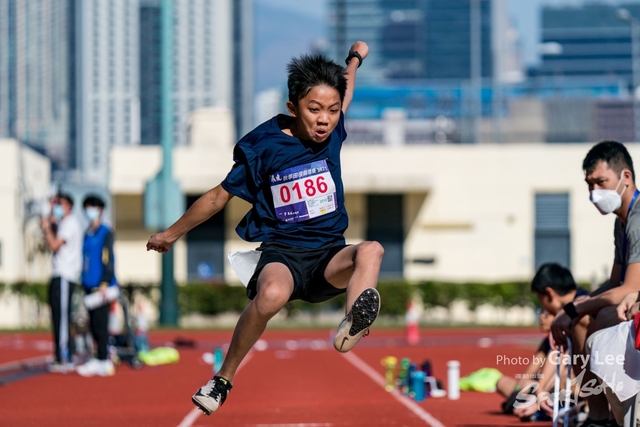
24 185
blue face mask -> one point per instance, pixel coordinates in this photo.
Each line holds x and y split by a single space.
58 211
92 213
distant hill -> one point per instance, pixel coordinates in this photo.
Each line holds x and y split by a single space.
280 34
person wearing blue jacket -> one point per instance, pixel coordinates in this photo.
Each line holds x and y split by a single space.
98 275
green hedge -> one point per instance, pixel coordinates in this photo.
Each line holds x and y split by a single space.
37 291
211 299
500 294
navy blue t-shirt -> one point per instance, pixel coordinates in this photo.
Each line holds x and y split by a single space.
295 186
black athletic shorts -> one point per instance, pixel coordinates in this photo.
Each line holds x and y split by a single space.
306 266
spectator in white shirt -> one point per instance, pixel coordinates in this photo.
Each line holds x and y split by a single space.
64 234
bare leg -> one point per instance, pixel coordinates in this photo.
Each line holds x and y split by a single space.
506 385
274 287
355 268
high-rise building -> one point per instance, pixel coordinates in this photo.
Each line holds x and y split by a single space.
37 99
586 40
413 39
7 68
203 66
394 30
78 77
150 72
449 38
108 103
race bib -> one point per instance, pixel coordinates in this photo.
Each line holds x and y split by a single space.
303 192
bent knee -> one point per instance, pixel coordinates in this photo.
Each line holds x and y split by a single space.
371 250
271 297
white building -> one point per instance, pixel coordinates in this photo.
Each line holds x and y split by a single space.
24 186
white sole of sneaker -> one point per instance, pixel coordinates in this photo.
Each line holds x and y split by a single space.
200 406
356 324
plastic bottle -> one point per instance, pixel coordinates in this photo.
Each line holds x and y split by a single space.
453 377
403 378
389 364
142 328
217 360
428 374
410 372
418 386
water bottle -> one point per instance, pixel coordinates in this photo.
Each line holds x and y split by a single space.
142 327
389 364
418 386
453 377
410 372
217 360
403 379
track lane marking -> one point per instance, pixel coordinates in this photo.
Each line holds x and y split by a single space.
193 415
292 425
379 379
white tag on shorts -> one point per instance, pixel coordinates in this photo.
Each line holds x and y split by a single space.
244 264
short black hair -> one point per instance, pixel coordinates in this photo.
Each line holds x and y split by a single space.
309 71
66 197
612 152
554 276
93 200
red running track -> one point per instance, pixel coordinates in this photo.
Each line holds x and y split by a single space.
277 387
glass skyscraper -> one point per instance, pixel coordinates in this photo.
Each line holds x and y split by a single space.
412 39
150 72
589 41
212 47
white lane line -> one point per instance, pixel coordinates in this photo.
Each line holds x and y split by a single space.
379 379
293 425
190 418
20 363
193 415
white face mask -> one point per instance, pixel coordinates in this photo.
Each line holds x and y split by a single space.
92 213
607 201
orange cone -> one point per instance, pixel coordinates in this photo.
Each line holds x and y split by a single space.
413 334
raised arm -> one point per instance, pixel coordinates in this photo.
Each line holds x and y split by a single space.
204 208
352 66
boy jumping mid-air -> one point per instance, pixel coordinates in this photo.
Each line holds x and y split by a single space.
288 168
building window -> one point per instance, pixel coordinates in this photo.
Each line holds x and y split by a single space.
552 233
385 224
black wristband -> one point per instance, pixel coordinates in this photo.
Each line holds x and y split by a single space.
570 310
354 54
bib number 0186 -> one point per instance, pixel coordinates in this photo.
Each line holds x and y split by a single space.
311 188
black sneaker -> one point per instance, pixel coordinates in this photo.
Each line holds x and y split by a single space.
212 395
356 324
